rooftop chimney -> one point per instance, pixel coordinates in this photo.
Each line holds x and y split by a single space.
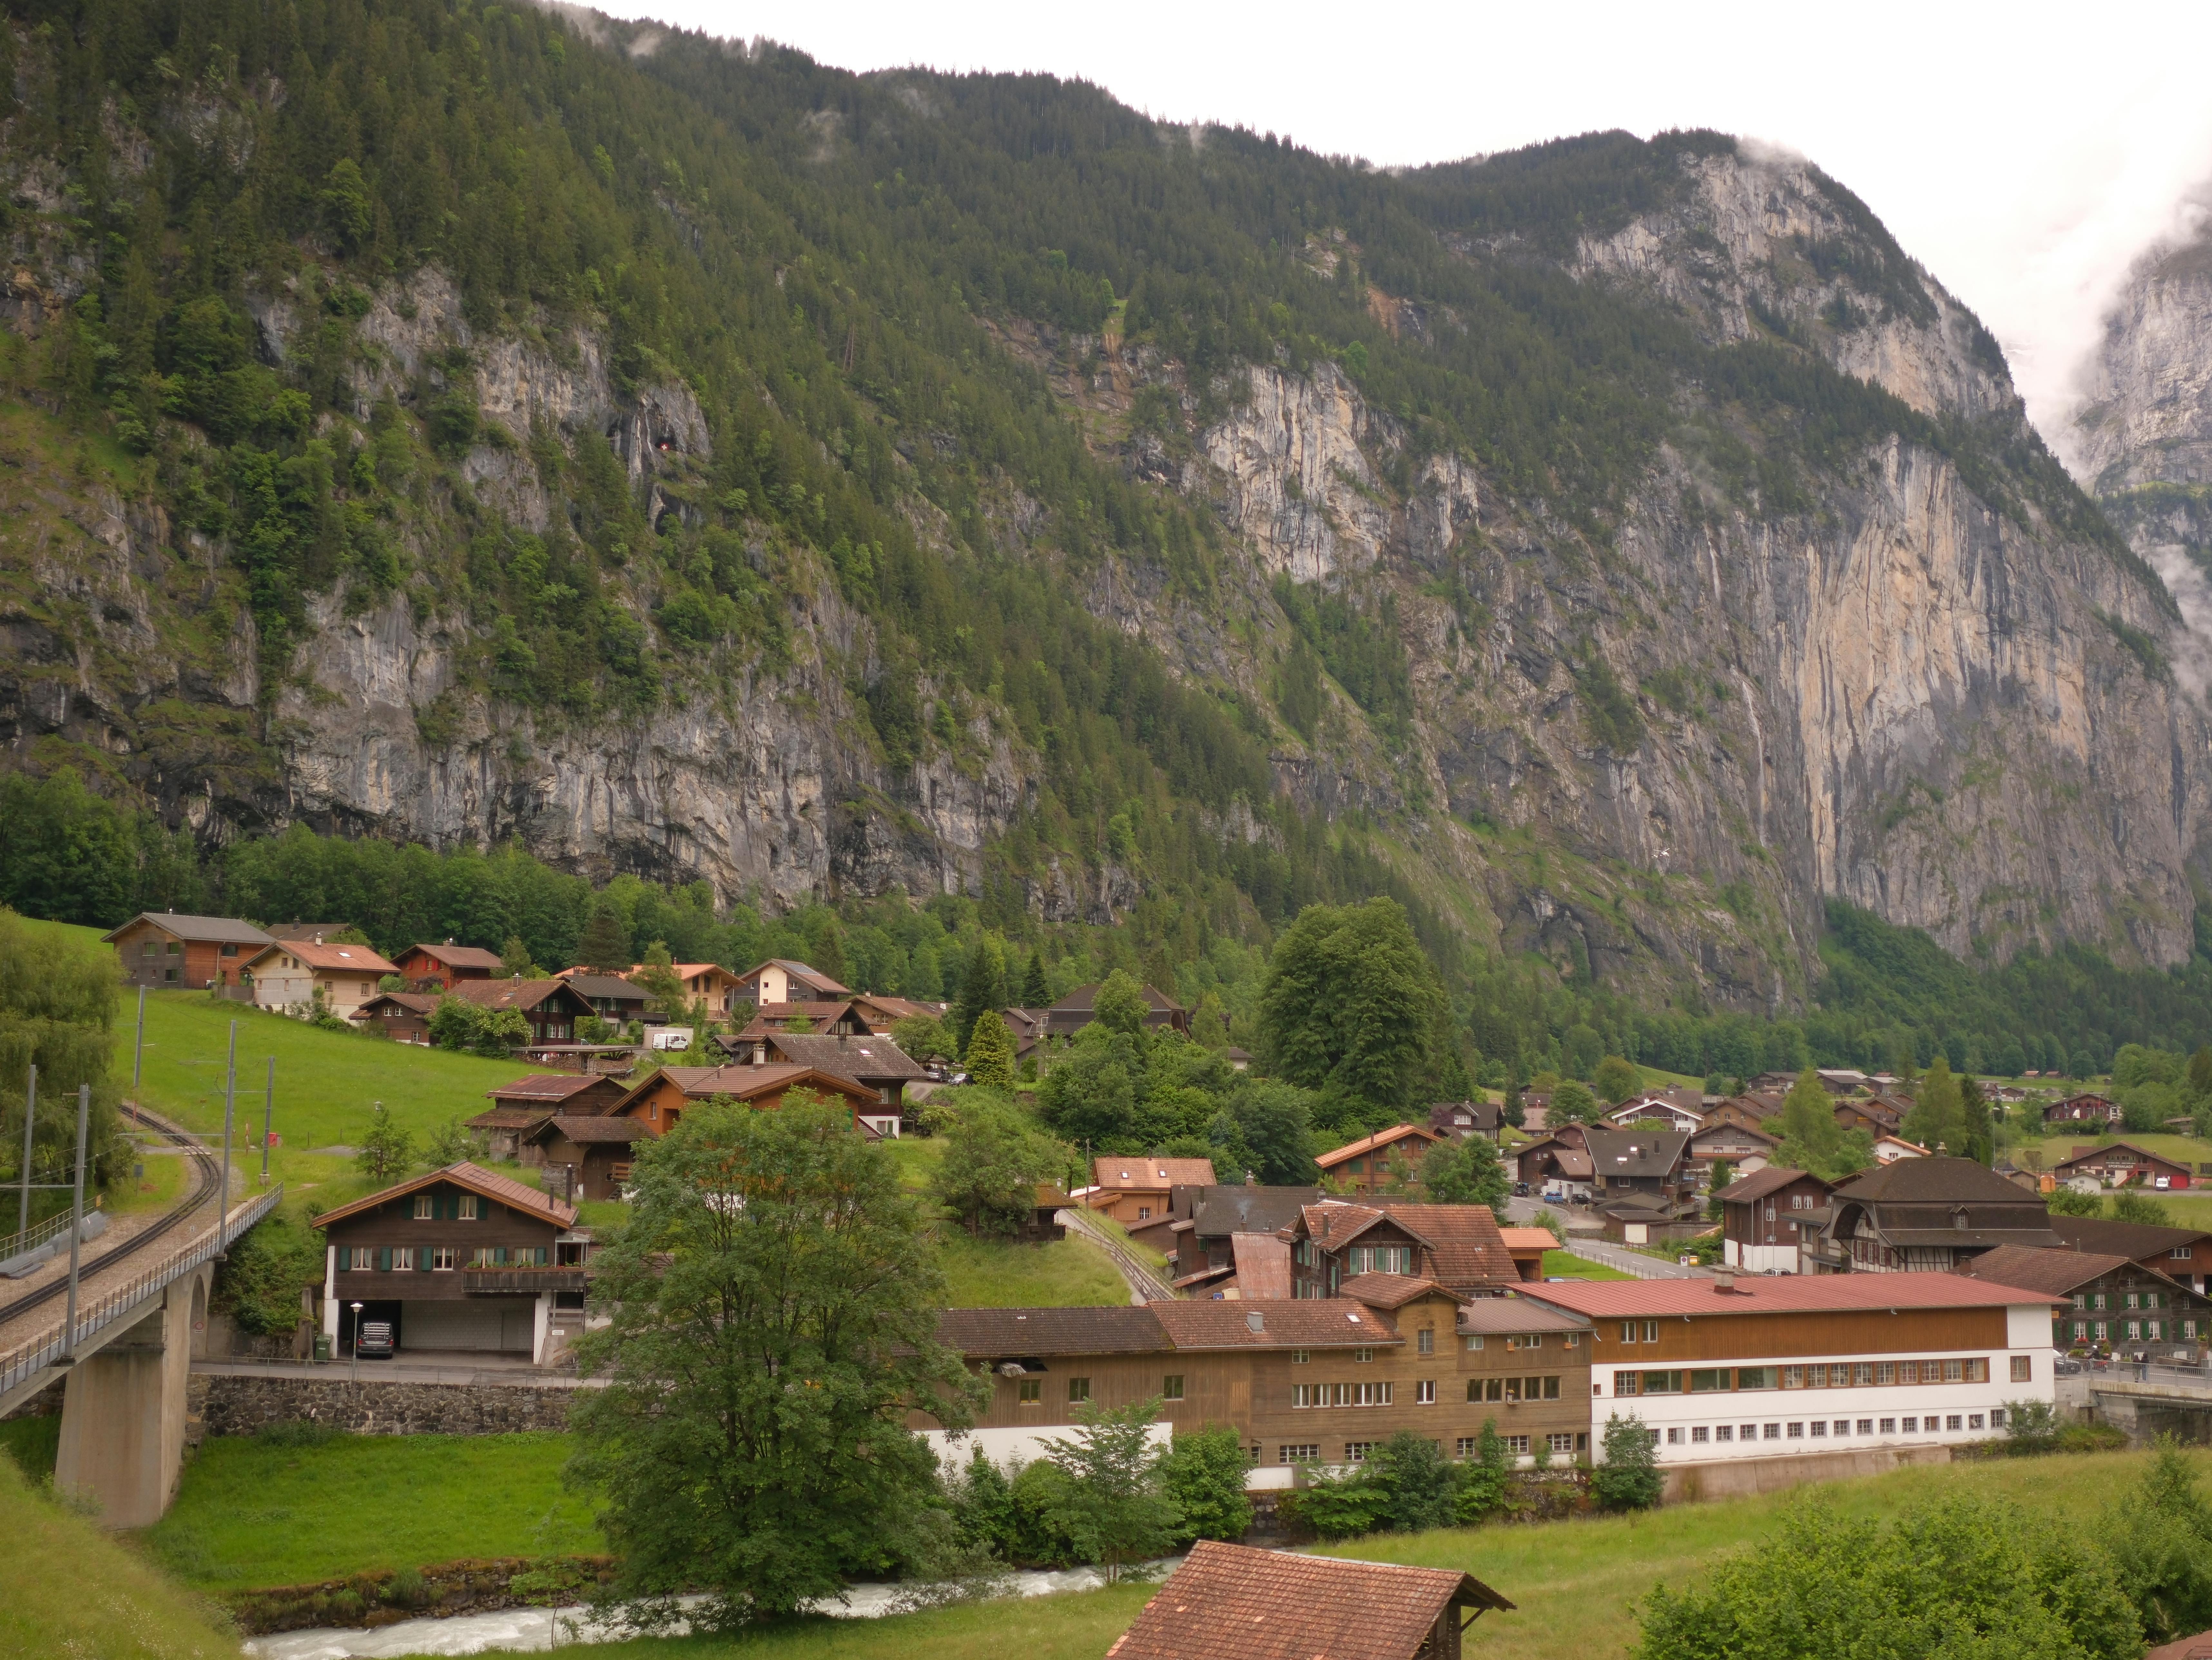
1724 1282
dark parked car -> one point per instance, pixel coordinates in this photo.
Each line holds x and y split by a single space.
375 1342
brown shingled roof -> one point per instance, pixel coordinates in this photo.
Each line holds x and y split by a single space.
1233 1603
1759 1183
548 1087
1316 1322
2058 1272
488 1184
1393 1290
1011 1333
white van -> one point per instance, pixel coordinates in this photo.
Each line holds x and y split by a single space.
668 1037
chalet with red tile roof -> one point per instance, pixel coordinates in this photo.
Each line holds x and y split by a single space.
1134 1190
288 974
1232 1602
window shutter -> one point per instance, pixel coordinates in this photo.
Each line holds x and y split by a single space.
383 1259
422 1258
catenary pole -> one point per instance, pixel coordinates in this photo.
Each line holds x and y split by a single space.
268 1118
229 1110
30 1114
76 1218
139 1049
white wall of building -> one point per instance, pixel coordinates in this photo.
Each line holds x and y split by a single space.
1783 1421
1011 1446
1760 1258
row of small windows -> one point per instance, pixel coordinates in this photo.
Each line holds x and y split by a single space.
1933 1423
437 1259
2156 1331
1844 1374
2096 1300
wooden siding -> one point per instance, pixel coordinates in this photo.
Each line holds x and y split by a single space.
394 1224
194 963
1252 1388
1763 1336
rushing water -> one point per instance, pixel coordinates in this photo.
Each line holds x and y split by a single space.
536 1630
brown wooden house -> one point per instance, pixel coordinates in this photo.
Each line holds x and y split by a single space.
1364 1166
1135 1190
2123 1164
867 1058
1458 1247
438 968
1078 1008
162 949
1765 1216
2184 1254
2106 1302
403 1016
661 1100
1233 1603
780 979
552 1007
591 1155
518 1108
460 1259
2095 1110
612 998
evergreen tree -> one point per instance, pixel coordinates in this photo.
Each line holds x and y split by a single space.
1811 1138
1978 1132
1937 1120
604 943
983 986
386 1151
991 1052
1036 992
515 962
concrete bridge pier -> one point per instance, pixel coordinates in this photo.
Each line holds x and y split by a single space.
123 1411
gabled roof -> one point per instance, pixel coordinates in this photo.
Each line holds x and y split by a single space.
1233 1603
1116 1172
1490 1315
813 978
424 1004
2123 1239
1711 1131
587 1130
485 1183
1936 1180
1528 1238
2090 1155
513 994
221 930
1785 1293
1382 1138
860 1058
457 956
1302 1323
2056 1272
551 1087
1084 1000
1615 1152
1263 1266
510 1117
591 984
306 930
742 1083
1228 1209
1395 1290
1760 1183
1014 1333
355 958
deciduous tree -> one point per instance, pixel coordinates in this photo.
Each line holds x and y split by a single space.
1351 1007
772 1320
1114 1508
1464 1170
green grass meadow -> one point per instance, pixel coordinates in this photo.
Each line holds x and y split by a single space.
252 1512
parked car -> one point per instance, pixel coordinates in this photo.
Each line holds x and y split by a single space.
375 1342
2065 1367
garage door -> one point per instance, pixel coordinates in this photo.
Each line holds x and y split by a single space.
473 1323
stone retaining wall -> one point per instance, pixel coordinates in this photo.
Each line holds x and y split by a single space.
228 1405
1738 1478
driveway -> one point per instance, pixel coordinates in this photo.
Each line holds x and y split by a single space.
1529 1213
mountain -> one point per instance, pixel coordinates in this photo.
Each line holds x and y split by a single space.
461 422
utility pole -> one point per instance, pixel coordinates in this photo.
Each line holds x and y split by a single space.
139 1049
76 1219
229 1109
268 1118
30 1114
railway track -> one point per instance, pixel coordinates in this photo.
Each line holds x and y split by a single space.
206 1180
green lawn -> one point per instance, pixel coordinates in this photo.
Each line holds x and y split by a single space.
1568 1266
989 1274
71 1589
250 1513
1575 1584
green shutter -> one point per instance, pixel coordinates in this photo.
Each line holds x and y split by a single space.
383 1259
422 1258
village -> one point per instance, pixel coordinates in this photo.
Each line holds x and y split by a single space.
1571 1304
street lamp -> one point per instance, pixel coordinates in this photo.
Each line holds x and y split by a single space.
356 1345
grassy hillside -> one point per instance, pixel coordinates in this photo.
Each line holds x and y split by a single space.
253 1512
69 1589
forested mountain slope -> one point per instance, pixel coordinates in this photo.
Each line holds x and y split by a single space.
462 421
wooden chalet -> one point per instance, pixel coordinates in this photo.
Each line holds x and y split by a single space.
1133 1190
1459 1247
1077 1010
439 967
288 974
402 1016
161 948
1363 1166
1205 1221
590 1155
1463 1119
551 1007
2182 1254
2106 1300
520 1106
662 1097
2123 1164
1765 1216
867 1058
1923 1215
839 1017
2082 1110
781 980
611 996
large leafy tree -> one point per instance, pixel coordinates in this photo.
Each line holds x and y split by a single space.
1464 1170
994 1158
1351 1007
1114 1509
772 1320
57 1004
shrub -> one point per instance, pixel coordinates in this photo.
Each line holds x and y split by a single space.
1205 1475
1629 1477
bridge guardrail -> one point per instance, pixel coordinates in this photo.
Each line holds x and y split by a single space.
24 1362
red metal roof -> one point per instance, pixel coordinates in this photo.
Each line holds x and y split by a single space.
1785 1293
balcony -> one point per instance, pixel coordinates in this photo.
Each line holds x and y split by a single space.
521 1281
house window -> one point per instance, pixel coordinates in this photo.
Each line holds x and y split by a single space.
1300 1356
1299 1452
1951 1423
1866 1426
1532 1340
1889 1426
482 1257
1308 1394
422 1210
1885 1372
1425 1340
1624 1383
1466 1446
1518 1446
1474 1342
1144 1213
1954 1371
1363 1354
1974 1421
1424 1392
403 1258
468 1210
1793 1377
1171 1387
1796 1432
1573 1340
1628 1331
1029 1391
360 1258
1700 1435
1355 1452
442 1258
1772 1432
1755 1377
1078 1389
1911 1426
2022 1368
1651 1332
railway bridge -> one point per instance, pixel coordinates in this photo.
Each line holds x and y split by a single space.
141 1312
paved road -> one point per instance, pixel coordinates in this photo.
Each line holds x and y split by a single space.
1530 1212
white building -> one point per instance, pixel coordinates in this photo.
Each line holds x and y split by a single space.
1727 1369
288 974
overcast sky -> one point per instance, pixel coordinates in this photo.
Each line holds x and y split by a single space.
2025 154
